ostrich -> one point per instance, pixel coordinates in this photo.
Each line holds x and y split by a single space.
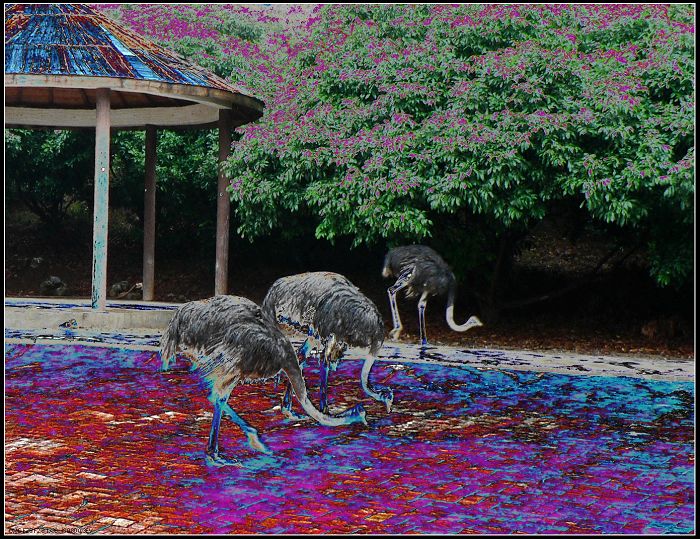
231 342
422 272
333 313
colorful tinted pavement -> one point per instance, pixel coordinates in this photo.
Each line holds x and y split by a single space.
97 440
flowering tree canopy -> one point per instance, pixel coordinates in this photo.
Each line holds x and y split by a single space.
380 119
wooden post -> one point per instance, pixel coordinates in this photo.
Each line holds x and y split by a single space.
149 214
223 206
101 210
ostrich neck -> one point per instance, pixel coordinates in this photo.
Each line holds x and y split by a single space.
297 381
449 312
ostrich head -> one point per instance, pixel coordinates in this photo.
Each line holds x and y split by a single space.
474 321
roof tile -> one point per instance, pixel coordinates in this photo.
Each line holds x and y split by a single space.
73 39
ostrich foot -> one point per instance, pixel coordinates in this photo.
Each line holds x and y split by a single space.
165 365
294 416
214 459
395 333
286 407
256 443
357 413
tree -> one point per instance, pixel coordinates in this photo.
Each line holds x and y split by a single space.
398 123
388 117
49 171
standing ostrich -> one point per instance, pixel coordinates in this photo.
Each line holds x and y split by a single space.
333 313
422 272
231 342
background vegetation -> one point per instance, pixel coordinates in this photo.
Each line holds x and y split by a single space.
461 126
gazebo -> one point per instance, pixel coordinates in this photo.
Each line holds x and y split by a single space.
70 67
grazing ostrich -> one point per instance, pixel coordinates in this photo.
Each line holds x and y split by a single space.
422 272
231 342
334 314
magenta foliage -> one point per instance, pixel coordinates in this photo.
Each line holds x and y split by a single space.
378 116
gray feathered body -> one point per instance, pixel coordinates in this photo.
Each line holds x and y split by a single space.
431 273
330 304
231 342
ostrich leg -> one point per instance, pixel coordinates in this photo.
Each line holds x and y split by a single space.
323 385
400 284
422 302
213 457
287 405
302 354
329 345
252 434
329 363
323 405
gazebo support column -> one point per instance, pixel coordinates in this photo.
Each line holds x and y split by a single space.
149 215
101 209
223 206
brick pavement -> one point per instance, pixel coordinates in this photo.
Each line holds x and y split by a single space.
98 441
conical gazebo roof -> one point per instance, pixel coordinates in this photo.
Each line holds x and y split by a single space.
56 55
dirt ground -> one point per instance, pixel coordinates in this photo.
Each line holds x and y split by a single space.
619 312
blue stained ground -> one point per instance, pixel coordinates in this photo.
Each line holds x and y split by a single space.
534 452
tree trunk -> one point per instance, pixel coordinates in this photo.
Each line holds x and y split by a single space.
490 304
